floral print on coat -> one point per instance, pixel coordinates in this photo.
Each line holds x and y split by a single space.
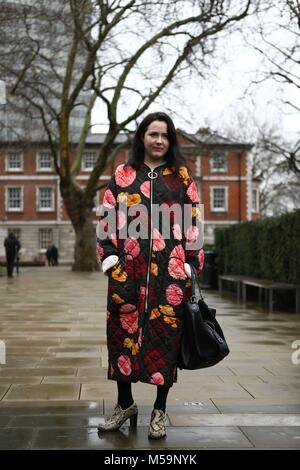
144 319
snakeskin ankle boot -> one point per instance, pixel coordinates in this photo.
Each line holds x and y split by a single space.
157 428
119 417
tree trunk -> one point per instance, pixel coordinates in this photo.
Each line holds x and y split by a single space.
80 211
85 245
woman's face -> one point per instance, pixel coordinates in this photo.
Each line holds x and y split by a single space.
156 140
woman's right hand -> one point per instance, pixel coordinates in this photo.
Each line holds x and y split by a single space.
109 263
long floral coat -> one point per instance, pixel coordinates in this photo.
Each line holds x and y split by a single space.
148 285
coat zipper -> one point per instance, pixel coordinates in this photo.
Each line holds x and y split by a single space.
152 175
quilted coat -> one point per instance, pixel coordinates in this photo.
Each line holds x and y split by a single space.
148 285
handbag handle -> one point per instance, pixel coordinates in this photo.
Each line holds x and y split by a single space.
195 280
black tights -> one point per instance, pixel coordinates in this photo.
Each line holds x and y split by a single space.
125 396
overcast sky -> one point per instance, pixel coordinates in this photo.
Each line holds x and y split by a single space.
216 100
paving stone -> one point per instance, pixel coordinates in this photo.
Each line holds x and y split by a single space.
69 362
273 437
126 438
52 408
4 420
43 392
3 389
234 419
12 372
16 439
258 406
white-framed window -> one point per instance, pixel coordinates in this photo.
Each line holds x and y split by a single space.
219 162
219 199
45 238
44 161
255 200
14 198
45 198
89 160
14 161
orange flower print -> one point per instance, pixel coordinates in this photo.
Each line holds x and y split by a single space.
133 199
184 174
118 275
117 299
197 213
167 310
130 344
125 175
154 314
171 321
122 197
154 269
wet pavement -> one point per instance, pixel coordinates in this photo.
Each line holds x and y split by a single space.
54 391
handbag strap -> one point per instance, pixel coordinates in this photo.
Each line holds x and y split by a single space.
195 280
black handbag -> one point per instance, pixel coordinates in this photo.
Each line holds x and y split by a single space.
203 343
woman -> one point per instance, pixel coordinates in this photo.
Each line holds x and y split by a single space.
148 274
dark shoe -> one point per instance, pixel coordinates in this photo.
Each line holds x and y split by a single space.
119 417
157 428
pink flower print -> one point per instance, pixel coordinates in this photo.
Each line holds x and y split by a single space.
121 219
192 192
174 294
145 188
176 269
140 336
176 263
143 291
158 241
157 379
177 232
124 365
127 308
132 247
129 321
109 199
125 175
192 234
201 258
99 251
178 252
114 239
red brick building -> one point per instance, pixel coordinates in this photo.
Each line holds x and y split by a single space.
31 205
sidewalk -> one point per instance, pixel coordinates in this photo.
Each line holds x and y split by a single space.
54 391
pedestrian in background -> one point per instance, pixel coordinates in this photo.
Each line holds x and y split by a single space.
12 247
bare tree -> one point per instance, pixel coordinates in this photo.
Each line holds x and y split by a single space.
279 185
277 39
70 53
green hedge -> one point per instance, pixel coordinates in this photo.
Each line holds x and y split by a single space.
267 248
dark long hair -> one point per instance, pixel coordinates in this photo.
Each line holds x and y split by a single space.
174 156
